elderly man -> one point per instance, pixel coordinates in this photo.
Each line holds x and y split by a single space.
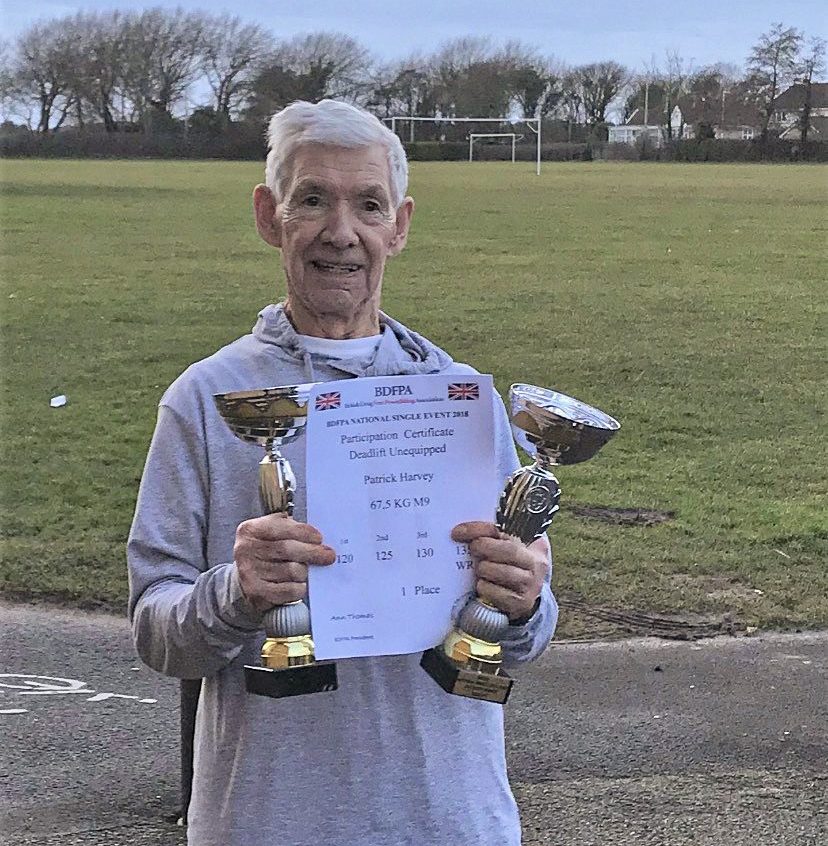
389 758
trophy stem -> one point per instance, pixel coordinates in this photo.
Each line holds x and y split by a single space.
276 482
287 626
528 502
546 459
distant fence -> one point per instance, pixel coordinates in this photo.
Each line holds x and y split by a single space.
240 143
244 142
713 150
458 151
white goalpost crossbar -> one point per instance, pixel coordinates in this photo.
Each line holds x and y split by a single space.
533 123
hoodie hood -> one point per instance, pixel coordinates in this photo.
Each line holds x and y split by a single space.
400 352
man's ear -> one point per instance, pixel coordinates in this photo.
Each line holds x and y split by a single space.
268 217
403 222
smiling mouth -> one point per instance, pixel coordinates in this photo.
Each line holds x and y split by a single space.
336 268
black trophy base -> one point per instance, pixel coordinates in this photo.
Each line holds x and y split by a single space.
293 681
462 682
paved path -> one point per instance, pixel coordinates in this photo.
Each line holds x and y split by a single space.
633 742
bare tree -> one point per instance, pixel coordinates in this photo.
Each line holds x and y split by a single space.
571 103
811 64
162 51
598 84
232 52
274 86
534 82
448 68
403 88
772 64
8 86
349 63
41 73
97 76
675 79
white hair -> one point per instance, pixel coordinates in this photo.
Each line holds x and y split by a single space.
330 122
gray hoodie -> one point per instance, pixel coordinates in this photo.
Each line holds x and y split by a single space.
389 758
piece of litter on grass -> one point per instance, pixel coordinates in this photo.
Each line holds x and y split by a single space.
59 401
783 554
760 592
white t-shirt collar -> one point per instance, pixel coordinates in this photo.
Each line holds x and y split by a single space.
349 348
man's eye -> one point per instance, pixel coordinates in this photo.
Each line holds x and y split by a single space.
372 206
312 200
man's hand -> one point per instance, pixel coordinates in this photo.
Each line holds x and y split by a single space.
272 554
509 574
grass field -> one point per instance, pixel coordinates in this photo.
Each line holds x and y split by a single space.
687 301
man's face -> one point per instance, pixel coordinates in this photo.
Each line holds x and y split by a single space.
336 226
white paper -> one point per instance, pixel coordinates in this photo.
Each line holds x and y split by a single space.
393 464
58 401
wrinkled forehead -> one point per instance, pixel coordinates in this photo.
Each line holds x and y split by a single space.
344 168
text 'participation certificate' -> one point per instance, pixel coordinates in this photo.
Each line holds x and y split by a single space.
393 464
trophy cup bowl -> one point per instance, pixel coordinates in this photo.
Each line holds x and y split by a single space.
560 428
555 429
271 418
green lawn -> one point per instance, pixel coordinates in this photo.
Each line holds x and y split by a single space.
687 301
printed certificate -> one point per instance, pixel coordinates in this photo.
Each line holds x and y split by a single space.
393 464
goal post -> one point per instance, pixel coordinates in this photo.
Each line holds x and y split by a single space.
473 136
534 124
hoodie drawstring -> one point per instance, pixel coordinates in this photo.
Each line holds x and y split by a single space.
307 360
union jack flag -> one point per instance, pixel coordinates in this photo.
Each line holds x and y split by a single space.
464 391
326 401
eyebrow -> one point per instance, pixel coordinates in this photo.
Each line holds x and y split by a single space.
305 185
371 189
374 189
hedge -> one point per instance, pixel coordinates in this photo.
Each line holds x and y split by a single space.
245 142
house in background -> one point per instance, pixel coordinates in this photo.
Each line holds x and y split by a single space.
729 114
653 128
735 116
787 108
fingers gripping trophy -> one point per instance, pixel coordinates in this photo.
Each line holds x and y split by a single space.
271 418
555 429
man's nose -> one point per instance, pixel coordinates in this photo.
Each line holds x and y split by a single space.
340 228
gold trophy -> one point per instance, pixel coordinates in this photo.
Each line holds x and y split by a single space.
271 418
555 429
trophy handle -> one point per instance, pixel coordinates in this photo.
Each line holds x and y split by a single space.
528 503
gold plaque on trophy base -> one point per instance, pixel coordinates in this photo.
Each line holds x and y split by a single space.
461 681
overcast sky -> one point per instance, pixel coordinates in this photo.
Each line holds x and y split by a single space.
633 33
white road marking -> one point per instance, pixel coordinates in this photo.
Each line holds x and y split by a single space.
26 684
43 684
100 697
13 711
